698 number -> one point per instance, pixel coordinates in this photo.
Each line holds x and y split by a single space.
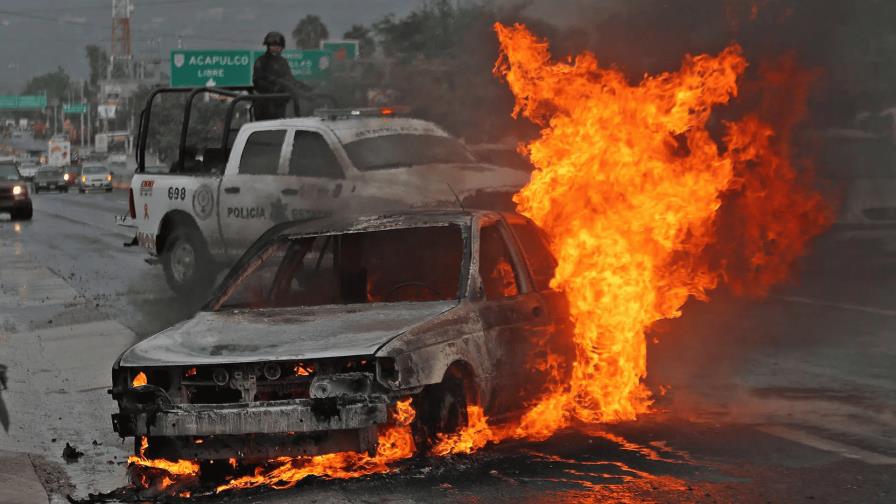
177 193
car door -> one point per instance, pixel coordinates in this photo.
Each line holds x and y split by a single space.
512 317
250 198
313 186
553 348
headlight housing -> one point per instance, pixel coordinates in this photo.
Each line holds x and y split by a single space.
83 179
18 190
65 177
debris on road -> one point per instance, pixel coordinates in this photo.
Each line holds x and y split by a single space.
71 454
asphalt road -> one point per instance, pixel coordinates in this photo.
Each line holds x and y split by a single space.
787 399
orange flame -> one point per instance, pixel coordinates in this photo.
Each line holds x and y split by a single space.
176 469
471 438
303 370
395 442
628 183
139 380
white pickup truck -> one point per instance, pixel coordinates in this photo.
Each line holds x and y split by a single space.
211 206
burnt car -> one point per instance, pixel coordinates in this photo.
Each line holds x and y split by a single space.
322 326
14 196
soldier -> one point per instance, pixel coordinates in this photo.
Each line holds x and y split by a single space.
271 74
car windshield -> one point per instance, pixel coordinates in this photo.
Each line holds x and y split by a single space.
8 172
401 150
51 172
93 170
379 266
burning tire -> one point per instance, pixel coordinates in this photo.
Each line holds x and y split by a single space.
442 410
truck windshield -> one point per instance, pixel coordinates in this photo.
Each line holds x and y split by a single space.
403 150
372 267
9 172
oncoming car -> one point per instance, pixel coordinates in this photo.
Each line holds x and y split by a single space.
14 193
95 177
323 325
50 178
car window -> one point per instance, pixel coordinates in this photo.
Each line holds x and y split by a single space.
8 172
537 254
499 277
94 170
403 150
312 157
261 155
385 266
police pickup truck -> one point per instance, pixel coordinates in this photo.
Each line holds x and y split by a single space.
202 214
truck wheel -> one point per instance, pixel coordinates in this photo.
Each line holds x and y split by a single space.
442 410
186 261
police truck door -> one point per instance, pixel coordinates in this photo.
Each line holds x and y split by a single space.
250 191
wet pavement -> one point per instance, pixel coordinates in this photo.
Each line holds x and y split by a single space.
787 399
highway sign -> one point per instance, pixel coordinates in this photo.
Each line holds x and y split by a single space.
311 64
342 50
222 68
23 102
74 108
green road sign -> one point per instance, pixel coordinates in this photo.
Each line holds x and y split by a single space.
342 50
74 108
222 68
233 68
311 64
23 102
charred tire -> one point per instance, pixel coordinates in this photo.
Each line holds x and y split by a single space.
187 262
442 410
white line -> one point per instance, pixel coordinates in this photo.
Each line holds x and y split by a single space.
841 449
842 306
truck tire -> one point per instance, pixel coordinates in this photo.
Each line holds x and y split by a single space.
442 410
187 262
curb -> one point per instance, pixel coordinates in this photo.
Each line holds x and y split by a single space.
18 481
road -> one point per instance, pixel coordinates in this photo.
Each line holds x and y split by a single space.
791 398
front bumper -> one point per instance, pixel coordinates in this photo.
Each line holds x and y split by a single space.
271 417
104 185
8 204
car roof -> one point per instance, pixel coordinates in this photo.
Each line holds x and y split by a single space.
348 129
378 222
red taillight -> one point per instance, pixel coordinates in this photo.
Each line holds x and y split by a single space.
131 209
387 111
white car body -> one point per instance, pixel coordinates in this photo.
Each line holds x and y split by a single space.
232 209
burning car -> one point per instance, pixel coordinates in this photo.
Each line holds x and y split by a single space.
324 325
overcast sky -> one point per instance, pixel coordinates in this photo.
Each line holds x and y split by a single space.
36 36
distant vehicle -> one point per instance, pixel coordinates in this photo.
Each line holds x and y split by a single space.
95 177
71 175
14 197
28 170
59 151
50 178
216 200
324 325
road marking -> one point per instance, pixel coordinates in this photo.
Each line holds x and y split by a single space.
832 304
827 445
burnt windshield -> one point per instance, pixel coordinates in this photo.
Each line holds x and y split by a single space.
388 266
402 150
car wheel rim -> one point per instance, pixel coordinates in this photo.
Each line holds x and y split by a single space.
183 261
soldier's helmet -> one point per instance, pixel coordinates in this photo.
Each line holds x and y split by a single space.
275 38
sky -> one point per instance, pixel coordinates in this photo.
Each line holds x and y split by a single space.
36 36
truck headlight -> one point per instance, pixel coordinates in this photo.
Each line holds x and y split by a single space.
83 179
109 177
17 190
65 177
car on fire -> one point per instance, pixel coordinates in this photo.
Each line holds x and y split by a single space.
323 325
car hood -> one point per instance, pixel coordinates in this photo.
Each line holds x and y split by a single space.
10 183
244 335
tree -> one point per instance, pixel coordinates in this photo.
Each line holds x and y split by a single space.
55 84
366 44
309 31
98 61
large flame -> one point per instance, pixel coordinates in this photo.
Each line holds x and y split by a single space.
628 184
395 442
